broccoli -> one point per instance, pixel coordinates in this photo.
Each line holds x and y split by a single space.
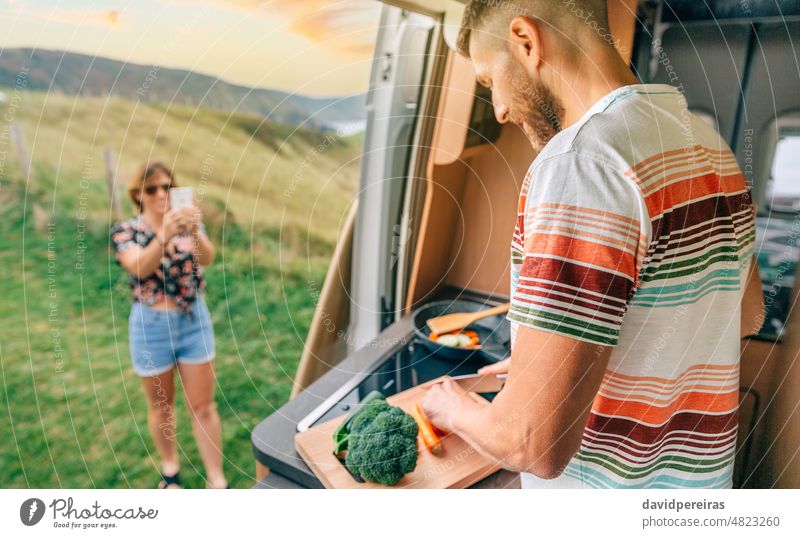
380 439
383 445
367 414
342 434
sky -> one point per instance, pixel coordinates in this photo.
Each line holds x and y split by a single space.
313 47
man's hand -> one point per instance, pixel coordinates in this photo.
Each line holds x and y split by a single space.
535 424
496 368
445 403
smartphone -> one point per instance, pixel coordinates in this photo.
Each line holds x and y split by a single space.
181 197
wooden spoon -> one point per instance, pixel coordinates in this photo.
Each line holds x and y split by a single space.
455 322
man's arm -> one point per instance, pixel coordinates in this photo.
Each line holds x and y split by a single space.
536 423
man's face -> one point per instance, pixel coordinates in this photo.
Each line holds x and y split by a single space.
517 96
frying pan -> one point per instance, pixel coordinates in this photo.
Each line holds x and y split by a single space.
494 332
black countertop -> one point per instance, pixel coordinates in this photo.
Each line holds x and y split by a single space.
273 438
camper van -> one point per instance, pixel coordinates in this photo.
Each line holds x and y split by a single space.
431 229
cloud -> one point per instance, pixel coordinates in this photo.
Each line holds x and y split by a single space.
346 25
112 17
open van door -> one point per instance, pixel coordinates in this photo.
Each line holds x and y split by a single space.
355 305
396 85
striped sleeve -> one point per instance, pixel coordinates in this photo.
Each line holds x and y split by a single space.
581 238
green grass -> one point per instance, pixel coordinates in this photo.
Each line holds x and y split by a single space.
79 420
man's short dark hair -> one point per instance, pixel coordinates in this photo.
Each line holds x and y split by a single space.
479 13
473 14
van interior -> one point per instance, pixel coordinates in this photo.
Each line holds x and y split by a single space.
441 178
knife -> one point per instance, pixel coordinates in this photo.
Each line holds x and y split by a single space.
481 383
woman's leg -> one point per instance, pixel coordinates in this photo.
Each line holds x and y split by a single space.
198 384
160 391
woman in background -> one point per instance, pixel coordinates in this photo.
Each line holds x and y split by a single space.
164 251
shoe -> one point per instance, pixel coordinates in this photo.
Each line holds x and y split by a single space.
170 482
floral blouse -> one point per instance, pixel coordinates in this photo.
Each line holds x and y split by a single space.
178 277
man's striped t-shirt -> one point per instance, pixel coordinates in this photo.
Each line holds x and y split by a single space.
635 230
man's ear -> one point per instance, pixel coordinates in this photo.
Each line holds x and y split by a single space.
525 40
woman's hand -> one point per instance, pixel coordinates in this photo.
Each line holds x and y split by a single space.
176 220
188 218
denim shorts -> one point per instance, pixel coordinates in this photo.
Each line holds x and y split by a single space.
160 339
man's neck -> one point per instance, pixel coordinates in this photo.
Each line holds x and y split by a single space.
590 81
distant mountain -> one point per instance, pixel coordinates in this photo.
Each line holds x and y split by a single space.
78 74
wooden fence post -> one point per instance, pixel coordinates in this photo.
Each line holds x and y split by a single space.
113 192
22 151
41 218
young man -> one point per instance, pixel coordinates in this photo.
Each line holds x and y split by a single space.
633 277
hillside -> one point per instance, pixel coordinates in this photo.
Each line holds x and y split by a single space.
265 175
78 74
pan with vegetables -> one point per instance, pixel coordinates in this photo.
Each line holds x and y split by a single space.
486 339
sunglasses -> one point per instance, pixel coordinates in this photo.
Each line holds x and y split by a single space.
152 189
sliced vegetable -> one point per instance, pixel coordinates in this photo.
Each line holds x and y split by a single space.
342 433
473 336
461 339
449 340
464 340
429 437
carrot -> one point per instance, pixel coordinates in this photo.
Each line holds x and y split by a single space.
474 337
429 437
440 432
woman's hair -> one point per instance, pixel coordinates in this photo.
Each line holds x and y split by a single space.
143 174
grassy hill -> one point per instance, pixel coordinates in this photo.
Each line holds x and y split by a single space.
273 203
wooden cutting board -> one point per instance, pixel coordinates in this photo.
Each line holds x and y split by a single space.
458 466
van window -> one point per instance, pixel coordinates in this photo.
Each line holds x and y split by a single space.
783 189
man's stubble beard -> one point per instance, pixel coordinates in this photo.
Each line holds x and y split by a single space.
541 110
